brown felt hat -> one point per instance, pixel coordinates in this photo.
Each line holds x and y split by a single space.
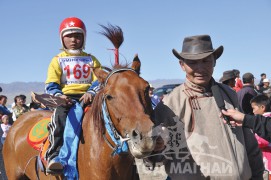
227 75
198 47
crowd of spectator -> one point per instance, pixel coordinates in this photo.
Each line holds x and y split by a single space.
254 99
9 115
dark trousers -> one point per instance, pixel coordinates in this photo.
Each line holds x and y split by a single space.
56 129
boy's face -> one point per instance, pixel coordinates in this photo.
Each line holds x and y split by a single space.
73 41
257 109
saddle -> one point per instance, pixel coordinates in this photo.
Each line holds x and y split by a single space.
38 138
38 134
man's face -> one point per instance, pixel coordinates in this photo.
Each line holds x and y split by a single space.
266 84
199 71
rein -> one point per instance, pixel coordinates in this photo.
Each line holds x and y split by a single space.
120 142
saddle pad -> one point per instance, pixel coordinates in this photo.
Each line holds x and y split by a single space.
38 134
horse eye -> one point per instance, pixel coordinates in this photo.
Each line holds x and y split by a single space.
108 97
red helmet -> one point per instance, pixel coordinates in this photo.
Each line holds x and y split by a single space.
72 25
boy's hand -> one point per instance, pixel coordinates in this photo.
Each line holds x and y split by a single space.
86 98
236 117
68 100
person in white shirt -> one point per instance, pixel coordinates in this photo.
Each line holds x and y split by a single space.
5 126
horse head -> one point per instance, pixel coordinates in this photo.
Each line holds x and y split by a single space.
125 95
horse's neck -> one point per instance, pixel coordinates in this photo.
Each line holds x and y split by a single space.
100 152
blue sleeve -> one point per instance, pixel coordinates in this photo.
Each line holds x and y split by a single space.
53 88
94 88
5 110
154 101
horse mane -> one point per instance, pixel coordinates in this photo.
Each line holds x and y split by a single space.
114 34
96 108
96 112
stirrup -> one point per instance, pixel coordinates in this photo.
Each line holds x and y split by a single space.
54 172
54 167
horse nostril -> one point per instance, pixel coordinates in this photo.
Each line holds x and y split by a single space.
136 134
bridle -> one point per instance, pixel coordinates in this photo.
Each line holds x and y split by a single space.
120 143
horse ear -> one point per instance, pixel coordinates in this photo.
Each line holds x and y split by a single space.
136 64
100 74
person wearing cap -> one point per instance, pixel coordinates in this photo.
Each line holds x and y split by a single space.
228 78
192 137
263 76
70 77
265 89
246 93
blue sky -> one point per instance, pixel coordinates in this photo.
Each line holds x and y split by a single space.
29 34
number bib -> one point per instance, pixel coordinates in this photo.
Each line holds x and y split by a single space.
76 70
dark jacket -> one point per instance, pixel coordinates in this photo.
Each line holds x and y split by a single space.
259 124
244 96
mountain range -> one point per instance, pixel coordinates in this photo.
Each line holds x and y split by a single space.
16 88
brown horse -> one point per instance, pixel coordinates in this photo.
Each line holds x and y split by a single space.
125 95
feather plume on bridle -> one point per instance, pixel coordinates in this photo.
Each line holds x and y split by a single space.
115 35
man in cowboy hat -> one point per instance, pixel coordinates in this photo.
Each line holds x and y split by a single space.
194 141
228 78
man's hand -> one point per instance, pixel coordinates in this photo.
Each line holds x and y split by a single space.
236 117
86 98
